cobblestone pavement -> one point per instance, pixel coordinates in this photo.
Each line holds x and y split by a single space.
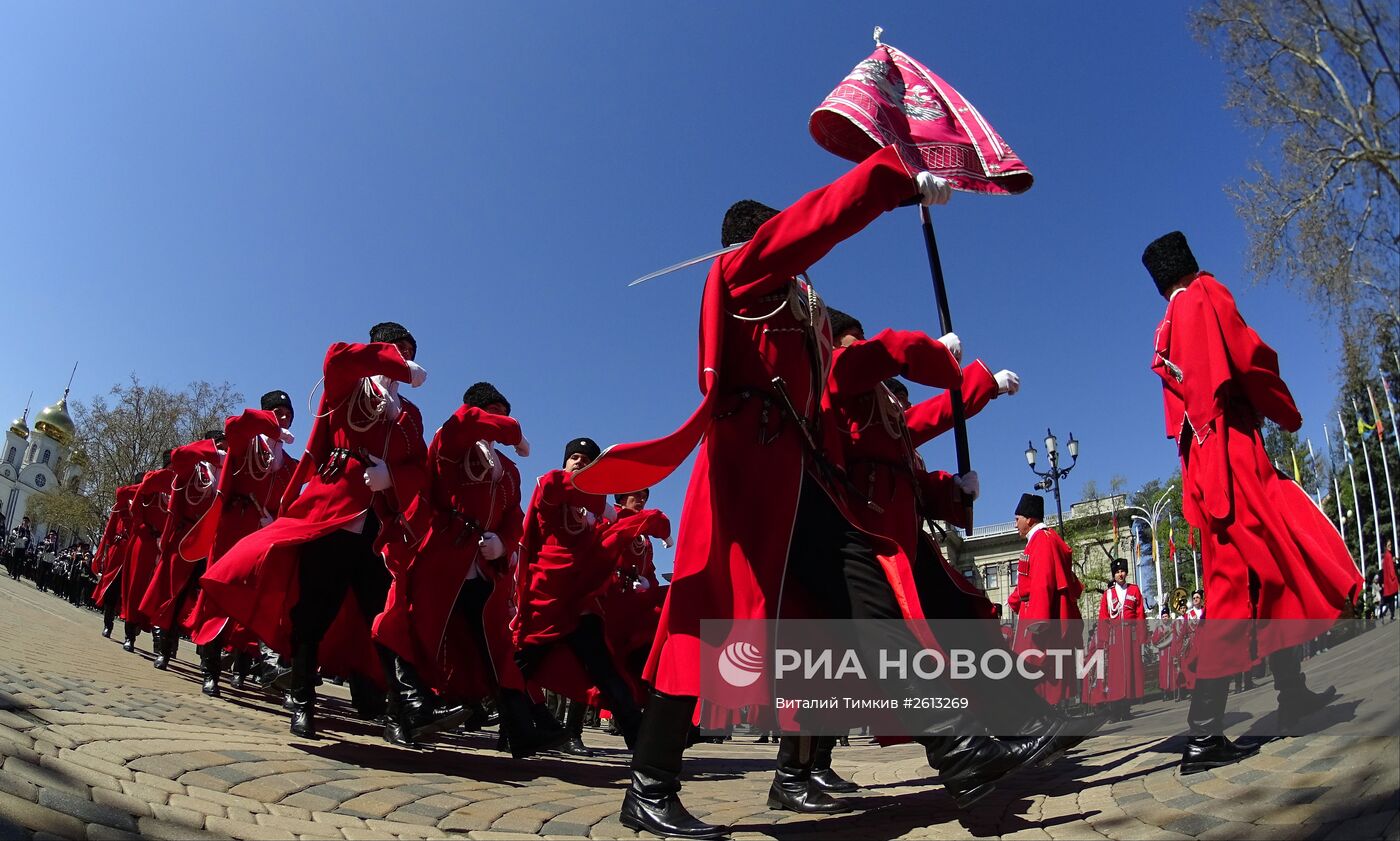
96 744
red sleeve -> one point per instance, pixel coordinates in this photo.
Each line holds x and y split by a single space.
650 522
942 498
934 416
1103 605
470 424
348 362
789 243
552 489
1255 363
251 423
864 365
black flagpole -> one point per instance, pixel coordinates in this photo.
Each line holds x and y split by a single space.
945 324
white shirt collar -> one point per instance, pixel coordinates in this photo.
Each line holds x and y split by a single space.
1174 294
1035 528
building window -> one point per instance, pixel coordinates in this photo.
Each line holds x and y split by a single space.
1014 574
989 575
970 575
47 453
10 456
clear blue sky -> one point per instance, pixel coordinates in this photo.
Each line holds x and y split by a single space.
218 191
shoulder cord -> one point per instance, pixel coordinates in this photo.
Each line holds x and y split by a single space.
202 481
258 460
371 401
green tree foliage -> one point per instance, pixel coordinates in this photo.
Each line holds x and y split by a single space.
74 515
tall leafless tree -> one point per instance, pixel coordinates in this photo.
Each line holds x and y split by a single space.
1317 79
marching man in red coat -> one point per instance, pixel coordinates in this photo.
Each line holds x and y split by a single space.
1268 552
196 472
255 475
1390 581
568 556
149 510
317 572
448 612
110 557
1046 597
1122 631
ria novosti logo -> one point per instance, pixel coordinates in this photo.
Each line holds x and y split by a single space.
740 664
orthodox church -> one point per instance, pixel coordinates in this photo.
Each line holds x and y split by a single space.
38 460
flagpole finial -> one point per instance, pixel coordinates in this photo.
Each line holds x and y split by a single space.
879 30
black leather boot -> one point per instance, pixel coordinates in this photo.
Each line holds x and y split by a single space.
1207 746
653 801
210 664
969 766
823 777
242 666
302 697
573 725
792 789
1295 700
415 715
131 632
521 731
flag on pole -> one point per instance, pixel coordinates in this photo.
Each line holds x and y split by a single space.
1376 414
1297 474
1190 538
890 99
1171 541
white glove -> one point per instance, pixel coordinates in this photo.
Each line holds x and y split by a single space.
953 344
491 546
265 520
377 476
668 542
642 584
523 448
969 484
288 437
590 518
932 189
1008 382
417 373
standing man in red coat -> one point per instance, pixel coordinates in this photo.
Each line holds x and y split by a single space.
1123 632
1390 581
1268 553
1046 597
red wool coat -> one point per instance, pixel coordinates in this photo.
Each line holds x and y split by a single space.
110 557
1046 603
565 567
1390 582
472 488
250 490
1218 380
148 513
256 582
732 546
1122 632
631 611
196 468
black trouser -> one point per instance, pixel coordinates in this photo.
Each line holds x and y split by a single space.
835 567
111 600
590 646
1003 705
471 606
191 584
331 566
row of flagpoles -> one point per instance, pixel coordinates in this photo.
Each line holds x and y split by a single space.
1376 428
1365 431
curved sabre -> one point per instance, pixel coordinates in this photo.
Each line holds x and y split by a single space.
686 263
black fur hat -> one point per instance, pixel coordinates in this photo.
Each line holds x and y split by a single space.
742 220
138 477
390 332
618 498
843 323
481 395
1031 506
1168 259
276 399
1118 565
587 446
897 386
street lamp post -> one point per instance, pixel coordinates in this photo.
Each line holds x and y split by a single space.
1050 479
1150 520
